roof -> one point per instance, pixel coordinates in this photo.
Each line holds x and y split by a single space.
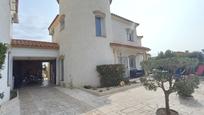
125 19
130 46
33 44
53 22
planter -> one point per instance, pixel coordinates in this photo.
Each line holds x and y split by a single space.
162 111
110 90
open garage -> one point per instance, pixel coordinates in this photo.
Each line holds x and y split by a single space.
33 63
34 72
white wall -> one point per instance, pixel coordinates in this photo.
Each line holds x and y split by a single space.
5 22
120 34
78 42
32 52
5 38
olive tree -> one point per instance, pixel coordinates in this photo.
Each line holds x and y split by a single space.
3 50
162 69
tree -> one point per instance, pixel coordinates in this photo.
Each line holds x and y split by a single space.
197 55
162 71
3 50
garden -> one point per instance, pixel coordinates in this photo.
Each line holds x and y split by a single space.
170 72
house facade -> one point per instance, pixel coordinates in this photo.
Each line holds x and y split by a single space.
89 35
84 34
8 12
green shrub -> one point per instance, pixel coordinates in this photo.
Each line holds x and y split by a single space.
13 94
3 50
111 75
186 86
87 87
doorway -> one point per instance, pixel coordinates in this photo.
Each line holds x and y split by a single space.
34 72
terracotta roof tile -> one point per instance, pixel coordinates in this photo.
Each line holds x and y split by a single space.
33 44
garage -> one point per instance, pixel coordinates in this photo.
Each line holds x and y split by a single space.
34 72
33 63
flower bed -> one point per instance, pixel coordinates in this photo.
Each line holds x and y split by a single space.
110 90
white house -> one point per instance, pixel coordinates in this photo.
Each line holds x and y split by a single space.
8 15
89 35
84 34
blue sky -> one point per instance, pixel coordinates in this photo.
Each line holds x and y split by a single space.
165 24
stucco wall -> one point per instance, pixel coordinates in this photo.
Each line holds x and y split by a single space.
120 34
78 41
5 21
28 52
5 38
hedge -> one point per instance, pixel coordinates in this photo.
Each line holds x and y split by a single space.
111 75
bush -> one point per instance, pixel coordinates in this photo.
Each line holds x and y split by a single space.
186 86
13 94
3 50
87 87
111 75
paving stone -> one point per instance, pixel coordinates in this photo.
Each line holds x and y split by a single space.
136 101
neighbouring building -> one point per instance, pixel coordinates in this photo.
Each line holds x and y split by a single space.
84 34
8 15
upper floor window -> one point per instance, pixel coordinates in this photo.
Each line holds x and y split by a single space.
62 22
130 35
100 24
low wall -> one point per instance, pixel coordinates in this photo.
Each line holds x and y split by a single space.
11 107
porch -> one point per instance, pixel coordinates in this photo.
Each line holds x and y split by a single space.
131 57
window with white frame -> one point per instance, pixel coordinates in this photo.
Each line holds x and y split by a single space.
130 35
100 24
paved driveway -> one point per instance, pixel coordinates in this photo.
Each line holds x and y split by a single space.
49 101
137 101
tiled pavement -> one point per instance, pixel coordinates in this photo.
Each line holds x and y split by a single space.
137 101
49 101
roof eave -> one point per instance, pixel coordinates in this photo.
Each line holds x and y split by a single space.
125 19
130 46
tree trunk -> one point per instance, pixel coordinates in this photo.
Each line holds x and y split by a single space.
167 103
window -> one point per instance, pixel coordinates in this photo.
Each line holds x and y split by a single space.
62 70
132 61
62 22
52 31
100 23
98 26
130 35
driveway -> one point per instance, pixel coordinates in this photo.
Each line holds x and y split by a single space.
136 101
49 101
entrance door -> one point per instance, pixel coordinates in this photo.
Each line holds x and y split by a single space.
124 61
132 62
53 71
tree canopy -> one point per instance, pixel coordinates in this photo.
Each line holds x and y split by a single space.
163 68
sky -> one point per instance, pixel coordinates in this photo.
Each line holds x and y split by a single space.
177 25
